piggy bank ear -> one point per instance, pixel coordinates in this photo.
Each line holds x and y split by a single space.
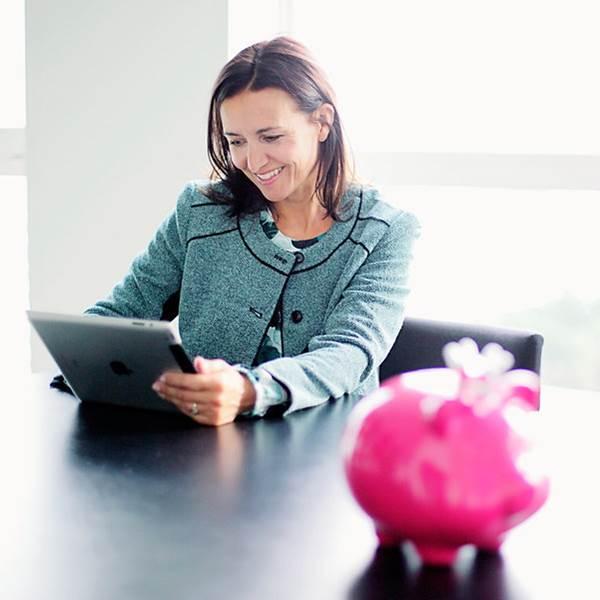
523 387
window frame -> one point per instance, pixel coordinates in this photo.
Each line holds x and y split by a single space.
12 151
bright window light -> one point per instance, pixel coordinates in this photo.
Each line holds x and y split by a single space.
14 356
518 76
517 258
12 64
251 22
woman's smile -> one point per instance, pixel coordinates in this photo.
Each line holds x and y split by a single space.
274 143
269 177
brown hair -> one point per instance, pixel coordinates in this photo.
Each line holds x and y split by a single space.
285 64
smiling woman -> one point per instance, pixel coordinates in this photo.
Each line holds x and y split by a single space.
278 87
279 153
282 267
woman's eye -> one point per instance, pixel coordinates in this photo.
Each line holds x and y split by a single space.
235 142
271 138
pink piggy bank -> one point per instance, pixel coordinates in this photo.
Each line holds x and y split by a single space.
445 457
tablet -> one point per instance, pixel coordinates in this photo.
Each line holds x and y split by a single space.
112 359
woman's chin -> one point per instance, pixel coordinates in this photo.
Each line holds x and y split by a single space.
272 195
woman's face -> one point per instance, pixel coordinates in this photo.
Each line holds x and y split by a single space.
274 143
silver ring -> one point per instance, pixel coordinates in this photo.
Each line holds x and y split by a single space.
194 409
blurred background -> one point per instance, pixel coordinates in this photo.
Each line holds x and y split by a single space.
481 117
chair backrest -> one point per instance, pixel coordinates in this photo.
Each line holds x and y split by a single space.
420 341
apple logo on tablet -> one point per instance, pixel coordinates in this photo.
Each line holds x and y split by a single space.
120 368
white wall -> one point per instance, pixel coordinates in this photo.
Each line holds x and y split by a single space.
117 96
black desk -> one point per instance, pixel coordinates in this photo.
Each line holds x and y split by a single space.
112 504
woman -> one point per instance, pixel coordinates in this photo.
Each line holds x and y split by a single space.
289 279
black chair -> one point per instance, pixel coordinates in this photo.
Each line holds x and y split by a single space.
420 341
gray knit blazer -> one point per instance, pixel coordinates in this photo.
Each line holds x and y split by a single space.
343 298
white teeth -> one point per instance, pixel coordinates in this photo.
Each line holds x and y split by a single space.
270 174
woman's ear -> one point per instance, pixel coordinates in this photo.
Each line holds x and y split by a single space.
325 116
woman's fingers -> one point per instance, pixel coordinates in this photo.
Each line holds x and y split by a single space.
208 377
189 401
205 411
212 396
206 365
187 381
192 404
178 394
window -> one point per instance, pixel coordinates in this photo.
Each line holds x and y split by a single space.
12 64
491 108
250 22
13 189
462 76
516 258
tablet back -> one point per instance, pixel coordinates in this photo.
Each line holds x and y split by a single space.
110 359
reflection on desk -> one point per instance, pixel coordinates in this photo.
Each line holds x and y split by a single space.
103 502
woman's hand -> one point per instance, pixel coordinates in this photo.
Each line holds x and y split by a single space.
214 395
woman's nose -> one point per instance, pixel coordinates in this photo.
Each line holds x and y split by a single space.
256 158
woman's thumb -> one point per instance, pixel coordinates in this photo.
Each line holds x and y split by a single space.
205 365
200 364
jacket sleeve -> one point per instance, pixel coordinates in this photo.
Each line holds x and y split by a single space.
360 330
154 275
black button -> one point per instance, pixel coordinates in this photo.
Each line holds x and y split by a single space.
299 257
296 316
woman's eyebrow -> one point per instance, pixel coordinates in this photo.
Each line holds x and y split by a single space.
265 129
259 131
